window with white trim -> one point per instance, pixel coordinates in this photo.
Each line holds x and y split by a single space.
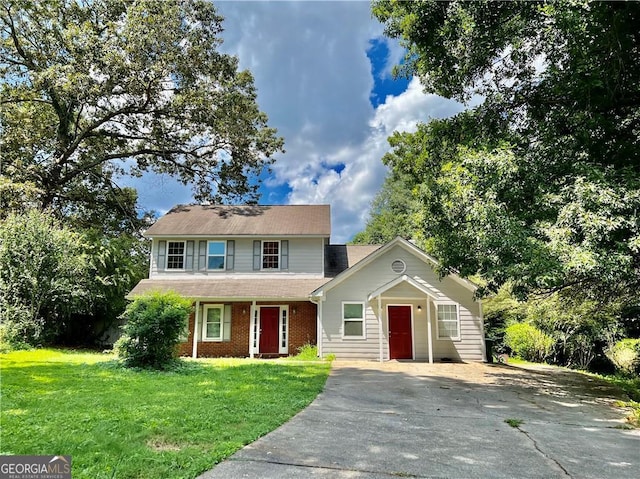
270 254
216 322
216 255
352 320
448 323
175 254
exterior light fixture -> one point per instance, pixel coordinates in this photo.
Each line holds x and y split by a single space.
419 308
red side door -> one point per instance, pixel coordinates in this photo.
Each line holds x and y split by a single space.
269 318
400 340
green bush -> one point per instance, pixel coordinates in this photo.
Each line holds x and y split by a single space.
625 355
307 352
44 278
528 342
154 325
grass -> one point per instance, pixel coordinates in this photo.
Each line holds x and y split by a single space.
120 423
514 422
631 387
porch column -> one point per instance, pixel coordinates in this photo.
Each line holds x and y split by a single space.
194 352
380 325
319 327
429 337
252 320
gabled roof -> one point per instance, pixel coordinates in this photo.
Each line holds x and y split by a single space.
257 220
398 241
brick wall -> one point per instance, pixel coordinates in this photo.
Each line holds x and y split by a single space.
302 330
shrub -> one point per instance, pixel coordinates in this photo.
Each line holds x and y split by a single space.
625 355
307 352
528 342
44 277
154 325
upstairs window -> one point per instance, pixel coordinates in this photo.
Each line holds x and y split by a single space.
175 255
216 254
270 255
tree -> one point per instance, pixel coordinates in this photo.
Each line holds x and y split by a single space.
45 278
394 211
539 185
96 89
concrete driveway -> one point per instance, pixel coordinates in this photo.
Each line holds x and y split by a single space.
447 421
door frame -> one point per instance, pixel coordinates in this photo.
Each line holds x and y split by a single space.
413 333
283 316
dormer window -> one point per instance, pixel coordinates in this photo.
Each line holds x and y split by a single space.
175 255
270 254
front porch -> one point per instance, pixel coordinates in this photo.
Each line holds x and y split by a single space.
223 328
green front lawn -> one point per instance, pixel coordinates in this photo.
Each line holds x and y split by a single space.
118 423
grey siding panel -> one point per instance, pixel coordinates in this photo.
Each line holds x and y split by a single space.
244 255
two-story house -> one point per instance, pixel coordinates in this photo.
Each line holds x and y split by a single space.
265 280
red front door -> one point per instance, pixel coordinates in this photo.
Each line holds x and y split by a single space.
400 341
269 318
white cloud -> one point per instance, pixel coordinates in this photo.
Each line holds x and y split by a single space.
314 79
351 192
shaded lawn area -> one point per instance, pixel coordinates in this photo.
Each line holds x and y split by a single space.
118 423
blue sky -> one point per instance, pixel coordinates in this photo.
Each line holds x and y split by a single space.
323 74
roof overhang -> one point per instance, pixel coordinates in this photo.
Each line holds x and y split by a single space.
232 289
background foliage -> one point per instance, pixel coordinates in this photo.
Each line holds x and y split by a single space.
93 92
535 191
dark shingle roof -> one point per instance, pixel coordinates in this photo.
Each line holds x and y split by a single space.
312 220
339 257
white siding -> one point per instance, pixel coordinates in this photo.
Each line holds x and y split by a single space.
373 276
306 257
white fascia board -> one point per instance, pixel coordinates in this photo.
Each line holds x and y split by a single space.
401 279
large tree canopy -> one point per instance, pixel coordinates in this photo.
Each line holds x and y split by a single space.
95 89
539 184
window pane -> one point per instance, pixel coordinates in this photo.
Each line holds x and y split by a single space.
214 326
270 262
213 314
353 328
447 311
175 262
176 247
216 248
270 247
352 310
216 262
448 329
213 330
